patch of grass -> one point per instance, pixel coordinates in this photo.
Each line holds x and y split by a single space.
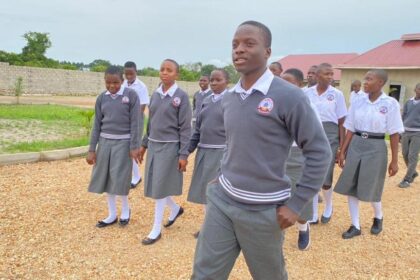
43 112
38 146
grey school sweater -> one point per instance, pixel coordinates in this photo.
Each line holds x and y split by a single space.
117 117
198 100
259 133
169 120
411 116
209 130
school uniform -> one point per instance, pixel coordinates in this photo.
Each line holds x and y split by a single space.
260 124
115 132
365 167
167 140
355 95
198 98
331 107
411 137
209 136
140 88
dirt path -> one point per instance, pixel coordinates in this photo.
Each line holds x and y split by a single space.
47 231
79 101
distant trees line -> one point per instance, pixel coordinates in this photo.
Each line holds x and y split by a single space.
37 43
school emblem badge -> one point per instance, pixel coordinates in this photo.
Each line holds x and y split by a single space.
383 110
330 97
125 100
265 106
176 102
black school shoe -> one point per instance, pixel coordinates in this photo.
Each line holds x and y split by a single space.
326 220
351 232
102 224
124 222
376 226
170 223
134 185
150 241
304 240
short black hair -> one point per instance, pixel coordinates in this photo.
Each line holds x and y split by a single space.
277 63
380 73
224 72
356 81
323 66
265 30
295 73
205 76
418 85
174 62
130 64
114 70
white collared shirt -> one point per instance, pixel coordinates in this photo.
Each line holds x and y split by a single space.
262 85
120 92
170 91
203 92
331 105
414 100
140 88
354 95
381 116
216 97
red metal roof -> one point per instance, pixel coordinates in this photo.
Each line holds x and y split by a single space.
304 61
397 54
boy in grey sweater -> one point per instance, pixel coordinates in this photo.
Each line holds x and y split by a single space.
250 204
411 138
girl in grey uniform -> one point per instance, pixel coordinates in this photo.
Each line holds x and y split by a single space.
115 138
364 153
411 138
209 136
166 139
331 107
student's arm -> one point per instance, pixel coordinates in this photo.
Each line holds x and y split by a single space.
341 135
404 114
96 130
304 127
193 102
145 140
341 112
135 118
144 98
195 138
394 128
343 152
393 165
184 123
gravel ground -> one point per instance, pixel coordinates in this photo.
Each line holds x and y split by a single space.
47 231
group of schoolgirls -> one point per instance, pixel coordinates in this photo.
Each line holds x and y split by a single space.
116 147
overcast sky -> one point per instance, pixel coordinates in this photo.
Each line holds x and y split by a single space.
195 30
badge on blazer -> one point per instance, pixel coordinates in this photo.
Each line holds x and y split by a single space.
176 102
265 106
383 110
330 97
125 100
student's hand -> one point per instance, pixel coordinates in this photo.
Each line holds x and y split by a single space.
286 217
91 158
337 156
134 154
392 168
341 159
182 165
142 151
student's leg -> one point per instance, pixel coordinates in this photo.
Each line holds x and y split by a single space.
157 225
413 157
112 209
378 220
136 173
354 211
217 247
405 142
315 209
125 207
261 241
377 208
327 191
174 208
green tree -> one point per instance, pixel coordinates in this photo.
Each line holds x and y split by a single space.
99 65
207 69
37 44
233 75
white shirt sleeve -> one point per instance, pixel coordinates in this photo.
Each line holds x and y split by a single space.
349 122
144 95
341 109
394 123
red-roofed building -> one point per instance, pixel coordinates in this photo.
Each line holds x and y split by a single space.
401 59
304 61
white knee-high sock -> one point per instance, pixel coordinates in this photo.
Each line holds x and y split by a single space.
354 211
328 196
136 173
112 208
377 207
125 207
302 227
174 207
315 208
157 224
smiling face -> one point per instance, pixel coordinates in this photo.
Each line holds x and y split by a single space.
130 74
218 82
372 83
356 86
204 82
113 83
249 53
168 73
